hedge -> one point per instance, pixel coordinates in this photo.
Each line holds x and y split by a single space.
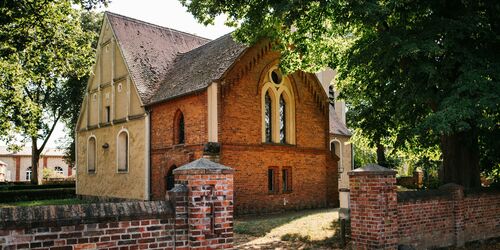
31 186
36 194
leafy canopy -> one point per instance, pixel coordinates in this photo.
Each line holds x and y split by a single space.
44 51
416 69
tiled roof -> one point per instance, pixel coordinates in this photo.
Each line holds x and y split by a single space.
337 127
198 68
149 50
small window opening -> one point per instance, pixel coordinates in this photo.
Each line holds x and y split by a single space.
182 138
91 155
276 77
170 178
331 96
108 114
286 175
28 173
123 152
271 180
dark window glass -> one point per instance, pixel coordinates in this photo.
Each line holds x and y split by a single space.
285 179
181 129
270 180
170 179
276 77
108 114
282 120
286 175
268 118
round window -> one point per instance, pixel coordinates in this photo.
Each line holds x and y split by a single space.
276 76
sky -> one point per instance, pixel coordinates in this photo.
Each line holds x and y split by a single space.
168 13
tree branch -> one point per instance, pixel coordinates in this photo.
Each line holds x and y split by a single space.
50 133
28 93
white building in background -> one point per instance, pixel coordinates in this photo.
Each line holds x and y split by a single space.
18 164
3 171
339 133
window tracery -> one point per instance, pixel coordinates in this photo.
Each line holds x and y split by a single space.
278 108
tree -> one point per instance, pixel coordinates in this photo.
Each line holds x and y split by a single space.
436 62
91 23
42 47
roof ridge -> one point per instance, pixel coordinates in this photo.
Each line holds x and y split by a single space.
181 54
155 25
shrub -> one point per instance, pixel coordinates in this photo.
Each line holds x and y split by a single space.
36 194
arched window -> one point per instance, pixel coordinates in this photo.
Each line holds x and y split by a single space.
268 117
179 128
28 173
278 109
169 178
59 170
91 155
122 151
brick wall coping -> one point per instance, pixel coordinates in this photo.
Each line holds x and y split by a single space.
203 166
481 191
444 192
65 215
372 169
435 194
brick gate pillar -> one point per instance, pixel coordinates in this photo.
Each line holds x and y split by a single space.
208 207
374 204
457 195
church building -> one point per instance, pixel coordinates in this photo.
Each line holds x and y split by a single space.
159 98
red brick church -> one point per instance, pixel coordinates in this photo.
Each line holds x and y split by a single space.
198 98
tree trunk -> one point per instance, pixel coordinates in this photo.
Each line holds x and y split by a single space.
35 157
381 155
461 159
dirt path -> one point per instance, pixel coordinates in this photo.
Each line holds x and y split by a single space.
312 230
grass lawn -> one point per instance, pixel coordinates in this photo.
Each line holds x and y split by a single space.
43 203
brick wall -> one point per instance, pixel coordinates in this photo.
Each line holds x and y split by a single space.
373 202
423 219
207 211
314 173
199 215
164 152
104 225
481 215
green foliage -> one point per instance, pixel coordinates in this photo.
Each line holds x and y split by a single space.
36 194
91 24
16 186
364 154
45 56
44 202
416 71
